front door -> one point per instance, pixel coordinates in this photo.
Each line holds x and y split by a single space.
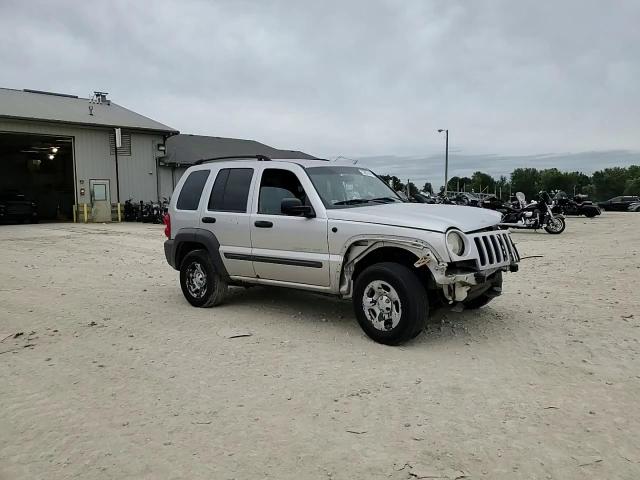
289 248
100 200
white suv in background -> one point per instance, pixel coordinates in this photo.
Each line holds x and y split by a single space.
335 229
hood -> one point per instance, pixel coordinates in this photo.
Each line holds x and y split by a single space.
424 216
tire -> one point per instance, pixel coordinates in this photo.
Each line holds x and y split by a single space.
201 285
477 302
396 289
590 214
556 231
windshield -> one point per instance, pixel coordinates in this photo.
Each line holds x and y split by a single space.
341 187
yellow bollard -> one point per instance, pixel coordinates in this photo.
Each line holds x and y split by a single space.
75 213
85 212
119 214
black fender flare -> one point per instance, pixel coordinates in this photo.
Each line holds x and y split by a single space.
203 237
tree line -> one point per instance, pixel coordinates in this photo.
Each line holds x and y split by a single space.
601 185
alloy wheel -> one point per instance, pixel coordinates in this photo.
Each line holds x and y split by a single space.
381 305
196 280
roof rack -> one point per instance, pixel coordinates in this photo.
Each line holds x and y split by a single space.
261 158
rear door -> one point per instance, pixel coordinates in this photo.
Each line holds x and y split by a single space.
288 248
226 215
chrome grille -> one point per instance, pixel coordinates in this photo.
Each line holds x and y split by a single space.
495 249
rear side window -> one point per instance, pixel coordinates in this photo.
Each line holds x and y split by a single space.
230 191
191 190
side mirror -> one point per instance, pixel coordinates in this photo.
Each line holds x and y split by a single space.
294 207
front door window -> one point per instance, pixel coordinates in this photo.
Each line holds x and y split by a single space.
275 186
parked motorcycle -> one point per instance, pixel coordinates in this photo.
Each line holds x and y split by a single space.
131 210
578 205
534 215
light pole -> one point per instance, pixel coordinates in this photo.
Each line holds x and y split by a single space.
446 158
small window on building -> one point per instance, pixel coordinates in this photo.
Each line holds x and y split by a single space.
192 190
230 191
125 149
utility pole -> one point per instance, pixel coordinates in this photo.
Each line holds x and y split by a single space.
446 158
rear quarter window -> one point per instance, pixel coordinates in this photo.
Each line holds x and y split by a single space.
192 190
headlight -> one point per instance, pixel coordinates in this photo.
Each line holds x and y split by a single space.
455 242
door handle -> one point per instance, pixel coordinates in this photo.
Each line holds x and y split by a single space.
208 220
263 224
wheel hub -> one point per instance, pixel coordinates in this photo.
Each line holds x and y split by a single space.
196 280
381 305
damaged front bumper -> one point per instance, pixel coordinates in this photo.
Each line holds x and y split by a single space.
467 286
458 286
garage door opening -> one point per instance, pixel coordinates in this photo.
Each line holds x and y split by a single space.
39 168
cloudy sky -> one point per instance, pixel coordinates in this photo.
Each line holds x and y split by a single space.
518 83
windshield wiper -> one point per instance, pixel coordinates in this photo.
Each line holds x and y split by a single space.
353 201
385 200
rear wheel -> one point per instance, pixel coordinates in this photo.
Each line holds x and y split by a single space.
201 285
555 225
390 303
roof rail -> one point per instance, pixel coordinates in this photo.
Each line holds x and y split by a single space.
262 158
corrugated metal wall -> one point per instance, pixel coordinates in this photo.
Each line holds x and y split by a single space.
169 177
137 172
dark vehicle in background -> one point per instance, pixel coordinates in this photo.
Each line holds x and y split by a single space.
16 207
619 204
422 198
493 203
578 205
465 198
634 207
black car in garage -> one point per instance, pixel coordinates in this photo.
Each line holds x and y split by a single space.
16 207
620 204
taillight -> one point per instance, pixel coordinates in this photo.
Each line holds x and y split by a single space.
167 221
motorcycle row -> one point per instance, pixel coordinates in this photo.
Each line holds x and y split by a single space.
149 212
542 213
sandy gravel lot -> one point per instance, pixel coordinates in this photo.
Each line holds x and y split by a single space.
117 377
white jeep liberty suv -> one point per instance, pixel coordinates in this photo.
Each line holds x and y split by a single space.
334 229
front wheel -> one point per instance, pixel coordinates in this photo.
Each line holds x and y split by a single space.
201 285
390 303
555 225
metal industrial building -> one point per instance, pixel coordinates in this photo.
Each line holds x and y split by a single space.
60 151
184 150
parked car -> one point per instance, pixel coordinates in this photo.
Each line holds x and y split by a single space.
419 197
466 198
620 204
493 203
634 207
16 207
338 230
